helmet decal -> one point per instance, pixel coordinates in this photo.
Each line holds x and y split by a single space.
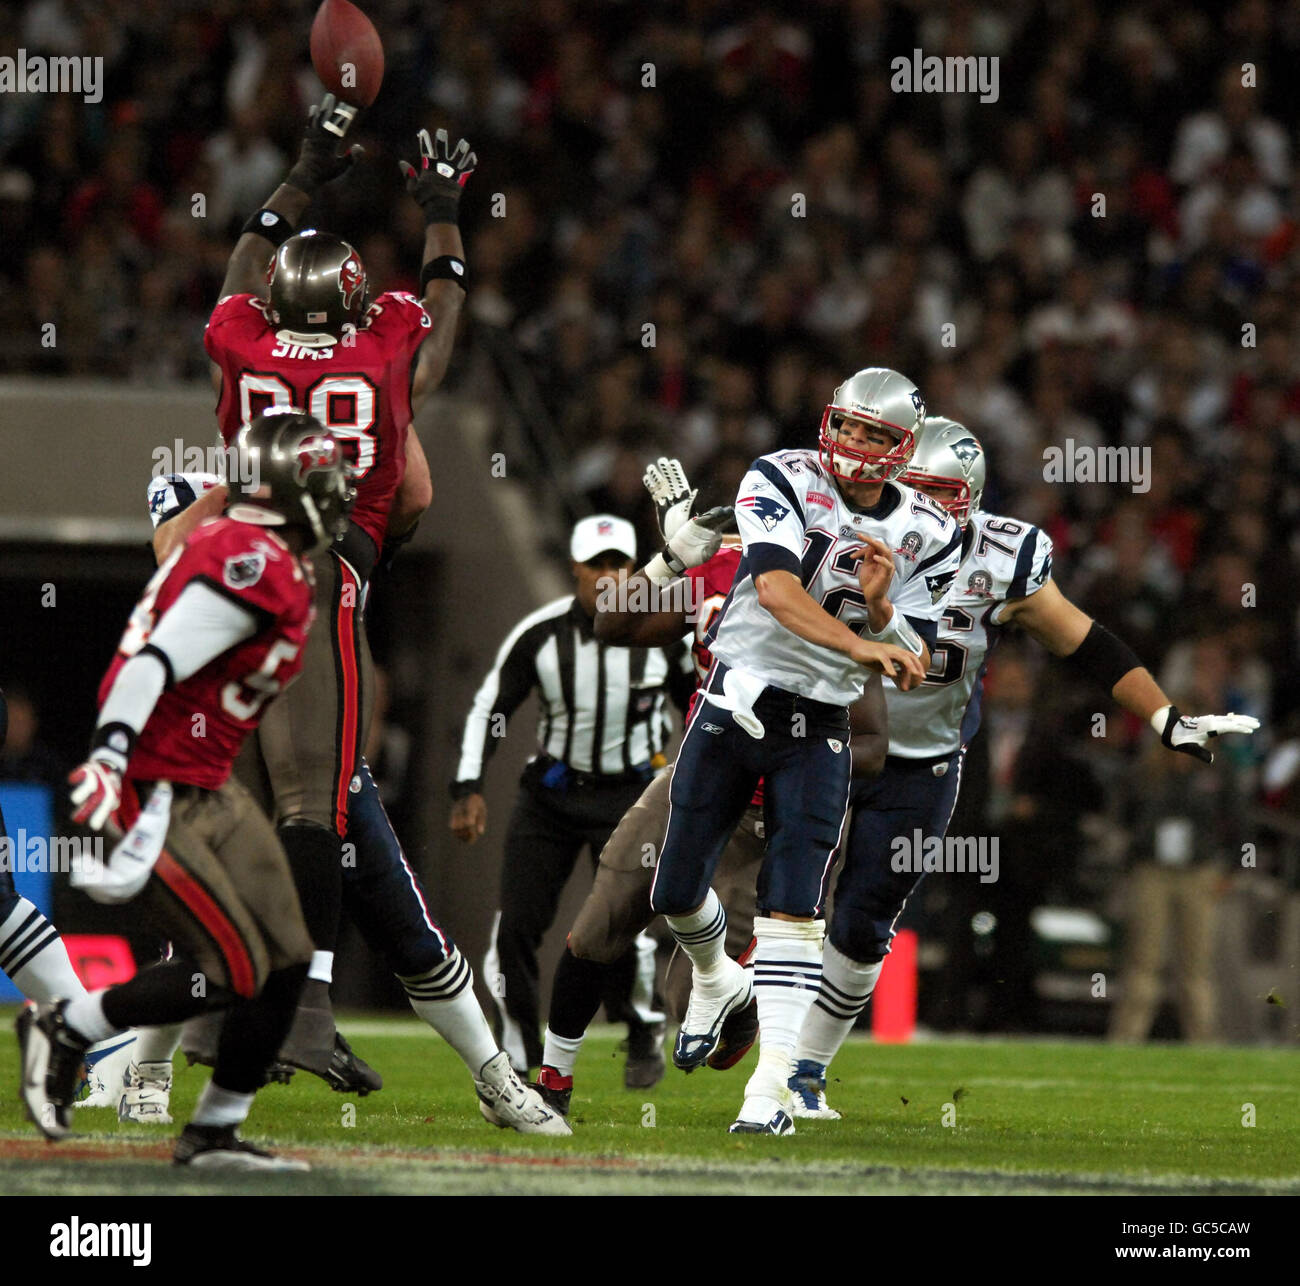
318 451
351 279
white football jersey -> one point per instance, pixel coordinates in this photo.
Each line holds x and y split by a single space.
792 516
1002 558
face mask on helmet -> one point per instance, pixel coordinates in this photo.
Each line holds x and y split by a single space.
955 497
862 464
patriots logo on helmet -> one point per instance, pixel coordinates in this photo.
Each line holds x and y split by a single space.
919 403
318 451
767 509
966 450
351 279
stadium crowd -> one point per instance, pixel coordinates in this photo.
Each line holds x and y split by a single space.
695 218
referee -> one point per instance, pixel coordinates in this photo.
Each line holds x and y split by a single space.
602 733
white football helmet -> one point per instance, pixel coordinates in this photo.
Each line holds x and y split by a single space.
878 396
949 455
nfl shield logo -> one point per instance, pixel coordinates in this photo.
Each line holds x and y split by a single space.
836 746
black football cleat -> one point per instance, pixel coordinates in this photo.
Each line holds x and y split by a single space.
645 1064
219 1147
348 1074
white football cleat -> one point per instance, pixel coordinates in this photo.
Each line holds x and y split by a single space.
106 1065
508 1103
707 1010
808 1087
146 1094
763 1115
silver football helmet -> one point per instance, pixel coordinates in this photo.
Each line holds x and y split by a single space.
878 396
948 455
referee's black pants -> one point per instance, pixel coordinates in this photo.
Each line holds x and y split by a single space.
548 829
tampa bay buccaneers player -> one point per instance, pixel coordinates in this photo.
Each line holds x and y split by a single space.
220 630
295 327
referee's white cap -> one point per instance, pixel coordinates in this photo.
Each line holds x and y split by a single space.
594 535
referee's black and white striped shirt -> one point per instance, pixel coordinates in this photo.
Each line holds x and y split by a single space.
603 707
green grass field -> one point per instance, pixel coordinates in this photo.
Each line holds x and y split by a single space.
1026 1117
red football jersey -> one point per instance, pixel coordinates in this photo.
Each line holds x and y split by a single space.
360 389
199 724
713 583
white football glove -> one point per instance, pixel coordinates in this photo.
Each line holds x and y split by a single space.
1189 734
695 542
665 480
96 792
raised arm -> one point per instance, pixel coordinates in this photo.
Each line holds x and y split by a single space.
437 186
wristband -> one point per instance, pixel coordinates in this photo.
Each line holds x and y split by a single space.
1103 657
443 268
267 223
663 567
112 744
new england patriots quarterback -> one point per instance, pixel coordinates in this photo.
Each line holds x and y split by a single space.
843 572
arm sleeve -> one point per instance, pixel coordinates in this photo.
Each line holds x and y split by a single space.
508 682
198 627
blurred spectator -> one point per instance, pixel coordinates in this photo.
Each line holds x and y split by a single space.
25 757
1186 819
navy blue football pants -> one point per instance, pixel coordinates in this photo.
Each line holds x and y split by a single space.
804 762
381 892
869 894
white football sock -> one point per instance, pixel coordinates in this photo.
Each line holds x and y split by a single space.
322 966
561 1052
845 989
221 1107
703 936
85 1015
34 957
787 970
444 998
157 1044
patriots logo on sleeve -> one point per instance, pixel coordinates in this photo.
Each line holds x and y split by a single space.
1044 572
767 509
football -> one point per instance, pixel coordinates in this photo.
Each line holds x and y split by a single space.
347 53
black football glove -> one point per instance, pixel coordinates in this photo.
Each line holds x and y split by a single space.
319 160
1189 735
436 185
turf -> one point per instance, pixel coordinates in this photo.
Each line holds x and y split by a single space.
1023 1117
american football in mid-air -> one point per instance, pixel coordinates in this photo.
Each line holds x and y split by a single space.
347 53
